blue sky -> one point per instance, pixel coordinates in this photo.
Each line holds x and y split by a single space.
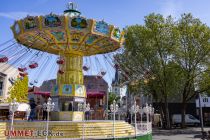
120 13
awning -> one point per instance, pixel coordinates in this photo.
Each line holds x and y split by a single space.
23 107
95 94
41 93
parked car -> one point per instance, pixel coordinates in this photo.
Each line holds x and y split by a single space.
189 120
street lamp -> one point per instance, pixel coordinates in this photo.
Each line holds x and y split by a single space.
114 108
28 111
49 106
141 111
134 110
201 114
146 110
12 108
151 111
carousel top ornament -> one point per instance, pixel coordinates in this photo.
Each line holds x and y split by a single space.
70 33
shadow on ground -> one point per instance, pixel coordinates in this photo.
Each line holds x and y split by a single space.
163 132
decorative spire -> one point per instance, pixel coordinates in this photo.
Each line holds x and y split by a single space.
72 10
71 6
116 79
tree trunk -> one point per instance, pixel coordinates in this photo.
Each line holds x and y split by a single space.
161 114
167 117
184 105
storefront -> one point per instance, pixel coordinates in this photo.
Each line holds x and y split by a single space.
97 101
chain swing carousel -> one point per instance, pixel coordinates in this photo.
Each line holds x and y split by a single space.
70 37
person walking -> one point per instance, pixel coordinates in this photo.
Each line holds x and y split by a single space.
33 109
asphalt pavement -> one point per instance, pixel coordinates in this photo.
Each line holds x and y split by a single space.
191 133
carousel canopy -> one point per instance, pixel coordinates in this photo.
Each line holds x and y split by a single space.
68 33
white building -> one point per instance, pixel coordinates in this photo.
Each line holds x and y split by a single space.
119 91
205 101
8 74
116 88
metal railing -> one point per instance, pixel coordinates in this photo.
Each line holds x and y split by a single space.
144 127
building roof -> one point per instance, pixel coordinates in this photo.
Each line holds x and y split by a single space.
97 91
95 79
115 81
7 68
48 84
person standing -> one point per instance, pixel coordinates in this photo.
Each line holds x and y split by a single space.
44 112
39 110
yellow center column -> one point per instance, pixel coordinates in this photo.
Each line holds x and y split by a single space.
71 90
72 69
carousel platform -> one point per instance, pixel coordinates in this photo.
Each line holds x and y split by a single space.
70 130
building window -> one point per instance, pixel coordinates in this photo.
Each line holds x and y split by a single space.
205 99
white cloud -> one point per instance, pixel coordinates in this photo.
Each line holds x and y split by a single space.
17 15
171 7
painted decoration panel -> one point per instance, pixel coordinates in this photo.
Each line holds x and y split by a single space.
75 47
30 23
79 23
91 39
52 21
79 90
55 90
102 27
46 37
39 44
60 36
30 38
103 42
116 33
67 89
17 28
76 37
63 47
77 116
55 47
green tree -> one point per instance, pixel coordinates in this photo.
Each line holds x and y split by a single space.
168 58
19 90
148 57
112 97
192 55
